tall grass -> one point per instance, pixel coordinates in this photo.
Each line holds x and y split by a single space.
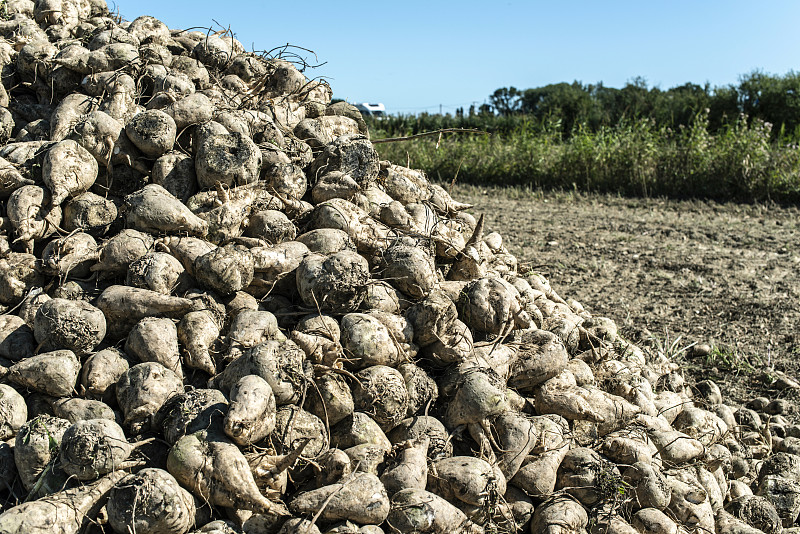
740 162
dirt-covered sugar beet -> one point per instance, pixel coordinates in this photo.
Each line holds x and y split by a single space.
33 215
155 339
66 324
14 412
53 373
16 338
190 412
333 283
251 413
90 213
93 447
142 390
225 270
152 131
159 272
230 159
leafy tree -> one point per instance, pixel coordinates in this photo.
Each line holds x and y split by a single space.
723 107
572 103
770 98
680 104
506 100
773 99
635 100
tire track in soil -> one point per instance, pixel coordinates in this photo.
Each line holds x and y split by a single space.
723 274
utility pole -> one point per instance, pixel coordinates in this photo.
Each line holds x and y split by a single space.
440 109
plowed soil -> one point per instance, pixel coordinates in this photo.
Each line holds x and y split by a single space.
670 273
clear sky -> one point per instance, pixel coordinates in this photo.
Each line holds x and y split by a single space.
416 55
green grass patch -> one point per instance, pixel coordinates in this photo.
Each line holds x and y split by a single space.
731 360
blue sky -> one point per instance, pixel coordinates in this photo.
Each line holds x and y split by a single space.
415 55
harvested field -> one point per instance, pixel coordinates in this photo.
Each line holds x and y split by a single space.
727 275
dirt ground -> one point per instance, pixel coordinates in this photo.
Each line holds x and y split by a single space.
669 272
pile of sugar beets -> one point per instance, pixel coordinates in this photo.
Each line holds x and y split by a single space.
223 314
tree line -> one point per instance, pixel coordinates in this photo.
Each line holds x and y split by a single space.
771 98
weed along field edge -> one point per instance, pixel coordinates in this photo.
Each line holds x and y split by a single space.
670 273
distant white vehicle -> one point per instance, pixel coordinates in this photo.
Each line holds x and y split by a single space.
373 110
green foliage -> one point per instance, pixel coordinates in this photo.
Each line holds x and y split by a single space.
572 103
736 142
671 349
610 484
400 125
759 96
740 161
506 100
731 360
